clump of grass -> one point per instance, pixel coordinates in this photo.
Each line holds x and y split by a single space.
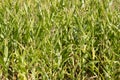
59 40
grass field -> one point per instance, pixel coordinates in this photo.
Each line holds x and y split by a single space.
59 39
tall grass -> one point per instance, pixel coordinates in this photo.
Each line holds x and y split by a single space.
59 39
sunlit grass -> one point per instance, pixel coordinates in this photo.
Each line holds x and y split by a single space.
59 39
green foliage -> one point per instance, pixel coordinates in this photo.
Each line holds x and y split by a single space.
60 39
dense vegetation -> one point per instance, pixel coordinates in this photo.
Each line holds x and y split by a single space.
60 39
